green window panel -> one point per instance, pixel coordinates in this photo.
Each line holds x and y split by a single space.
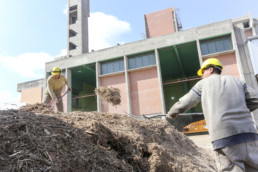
216 45
141 60
112 66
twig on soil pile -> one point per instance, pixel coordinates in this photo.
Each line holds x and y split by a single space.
111 95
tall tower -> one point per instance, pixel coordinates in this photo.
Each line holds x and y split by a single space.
162 22
78 13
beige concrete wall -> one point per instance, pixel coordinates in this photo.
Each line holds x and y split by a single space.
145 92
31 95
229 64
116 81
155 20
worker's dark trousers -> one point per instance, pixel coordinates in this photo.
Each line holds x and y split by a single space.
47 99
238 158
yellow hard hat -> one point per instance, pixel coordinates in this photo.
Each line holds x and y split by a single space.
56 71
209 62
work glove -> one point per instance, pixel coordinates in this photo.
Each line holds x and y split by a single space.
171 116
57 101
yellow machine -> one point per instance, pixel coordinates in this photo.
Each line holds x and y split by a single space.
196 127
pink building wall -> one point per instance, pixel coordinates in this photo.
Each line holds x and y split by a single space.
159 23
248 33
229 64
116 81
145 92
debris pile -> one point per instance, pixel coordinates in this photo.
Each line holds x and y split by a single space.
81 141
109 94
38 108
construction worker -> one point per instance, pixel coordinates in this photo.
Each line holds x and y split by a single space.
227 104
55 84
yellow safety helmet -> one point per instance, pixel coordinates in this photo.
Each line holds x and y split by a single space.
209 62
56 71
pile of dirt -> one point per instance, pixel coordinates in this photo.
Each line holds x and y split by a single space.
109 94
38 108
80 141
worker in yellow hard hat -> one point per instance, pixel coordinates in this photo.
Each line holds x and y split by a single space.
227 103
55 85
215 63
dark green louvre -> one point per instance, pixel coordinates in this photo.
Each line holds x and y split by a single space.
179 63
84 84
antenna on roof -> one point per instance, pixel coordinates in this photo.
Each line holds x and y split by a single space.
179 24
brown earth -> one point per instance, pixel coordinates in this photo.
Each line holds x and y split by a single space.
34 138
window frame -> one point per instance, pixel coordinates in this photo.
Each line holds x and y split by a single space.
109 67
139 61
216 45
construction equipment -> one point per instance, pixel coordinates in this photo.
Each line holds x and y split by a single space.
162 115
52 106
196 127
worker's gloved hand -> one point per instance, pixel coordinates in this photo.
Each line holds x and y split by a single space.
57 101
171 116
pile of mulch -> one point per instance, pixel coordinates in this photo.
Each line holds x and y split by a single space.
38 108
81 141
109 94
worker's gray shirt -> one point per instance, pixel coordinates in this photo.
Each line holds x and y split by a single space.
226 103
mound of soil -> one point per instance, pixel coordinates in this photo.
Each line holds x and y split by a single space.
38 108
80 141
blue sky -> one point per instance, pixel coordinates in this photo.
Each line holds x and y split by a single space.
33 32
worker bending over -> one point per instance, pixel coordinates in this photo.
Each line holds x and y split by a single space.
227 104
55 85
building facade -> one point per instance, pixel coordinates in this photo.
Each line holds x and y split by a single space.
152 74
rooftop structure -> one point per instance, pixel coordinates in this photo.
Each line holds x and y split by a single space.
162 22
78 13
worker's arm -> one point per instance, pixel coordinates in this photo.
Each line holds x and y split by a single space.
191 99
251 97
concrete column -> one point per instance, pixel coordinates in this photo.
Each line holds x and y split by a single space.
127 81
235 47
98 85
252 25
243 59
68 75
243 56
199 51
160 82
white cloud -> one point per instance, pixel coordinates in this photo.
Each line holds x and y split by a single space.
105 30
65 10
63 52
7 102
30 65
